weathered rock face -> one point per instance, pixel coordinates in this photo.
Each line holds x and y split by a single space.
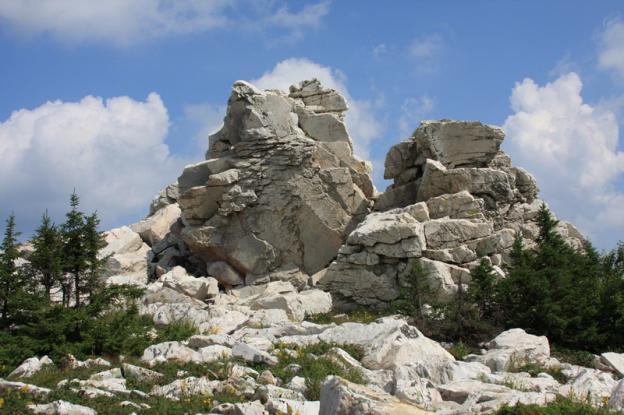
456 198
280 186
280 197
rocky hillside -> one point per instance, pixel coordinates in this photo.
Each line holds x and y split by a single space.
282 223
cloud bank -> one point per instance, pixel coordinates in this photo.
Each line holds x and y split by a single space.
611 48
572 149
112 152
124 22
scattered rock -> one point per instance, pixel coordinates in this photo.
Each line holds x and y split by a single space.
615 361
253 355
513 347
341 397
61 408
30 366
140 374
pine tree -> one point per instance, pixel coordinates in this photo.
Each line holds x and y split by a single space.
74 258
13 281
554 289
93 242
482 290
46 259
547 225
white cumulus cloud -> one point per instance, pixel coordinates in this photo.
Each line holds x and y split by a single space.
572 149
112 152
362 122
414 110
611 47
425 53
124 22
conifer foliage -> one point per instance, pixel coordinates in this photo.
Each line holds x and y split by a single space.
574 297
52 299
14 282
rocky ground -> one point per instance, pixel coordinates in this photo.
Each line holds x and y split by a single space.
258 355
281 224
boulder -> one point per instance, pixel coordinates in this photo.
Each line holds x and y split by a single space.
60 408
289 406
341 397
199 288
225 274
126 257
249 353
167 351
6 385
387 343
615 361
514 348
215 353
296 305
30 366
154 228
140 374
280 175
591 384
247 408
183 388
616 400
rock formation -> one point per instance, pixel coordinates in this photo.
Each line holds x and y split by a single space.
456 198
280 189
281 196
281 223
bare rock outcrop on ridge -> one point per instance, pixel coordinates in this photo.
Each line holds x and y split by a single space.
280 197
280 188
456 198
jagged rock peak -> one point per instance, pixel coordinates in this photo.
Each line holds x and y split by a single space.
456 198
281 196
445 157
279 177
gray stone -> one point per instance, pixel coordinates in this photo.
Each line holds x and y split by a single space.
341 397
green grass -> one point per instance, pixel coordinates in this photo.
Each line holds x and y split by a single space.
460 350
575 357
359 315
314 367
16 402
561 406
534 370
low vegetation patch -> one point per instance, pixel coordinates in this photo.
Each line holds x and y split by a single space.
314 366
561 406
359 315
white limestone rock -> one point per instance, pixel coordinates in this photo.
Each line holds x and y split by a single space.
140 374
251 354
30 366
167 351
616 400
154 228
341 397
614 361
6 385
61 408
187 387
514 347
199 288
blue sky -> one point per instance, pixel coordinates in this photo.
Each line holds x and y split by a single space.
113 99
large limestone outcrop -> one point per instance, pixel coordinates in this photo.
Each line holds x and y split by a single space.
456 198
280 197
279 191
